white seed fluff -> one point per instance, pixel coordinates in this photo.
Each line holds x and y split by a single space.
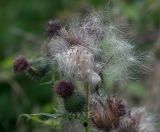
91 46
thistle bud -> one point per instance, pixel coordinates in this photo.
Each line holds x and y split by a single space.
21 64
64 88
74 103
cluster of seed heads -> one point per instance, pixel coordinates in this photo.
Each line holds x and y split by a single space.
86 50
89 47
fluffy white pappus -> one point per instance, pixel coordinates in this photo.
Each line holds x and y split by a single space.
94 78
126 124
143 119
116 72
78 63
88 31
113 45
140 61
123 56
138 121
57 45
110 53
94 26
75 36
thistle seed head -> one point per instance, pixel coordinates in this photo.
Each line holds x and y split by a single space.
72 38
21 64
64 88
118 106
144 121
91 42
112 113
138 121
106 113
126 124
78 63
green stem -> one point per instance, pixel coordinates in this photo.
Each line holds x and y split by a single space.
86 129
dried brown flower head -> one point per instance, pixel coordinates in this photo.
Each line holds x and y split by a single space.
112 114
106 113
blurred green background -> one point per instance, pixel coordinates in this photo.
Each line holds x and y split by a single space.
22 31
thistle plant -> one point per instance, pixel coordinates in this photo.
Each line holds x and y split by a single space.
86 53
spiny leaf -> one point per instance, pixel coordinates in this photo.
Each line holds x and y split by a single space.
52 120
49 119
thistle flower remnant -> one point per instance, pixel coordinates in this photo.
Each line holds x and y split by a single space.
112 113
139 121
21 64
106 113
64 88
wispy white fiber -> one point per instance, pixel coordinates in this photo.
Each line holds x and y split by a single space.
92 46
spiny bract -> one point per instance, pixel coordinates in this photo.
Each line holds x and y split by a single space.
74 103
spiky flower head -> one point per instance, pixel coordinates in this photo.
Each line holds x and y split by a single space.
74 103
64 88
21 64
106 113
